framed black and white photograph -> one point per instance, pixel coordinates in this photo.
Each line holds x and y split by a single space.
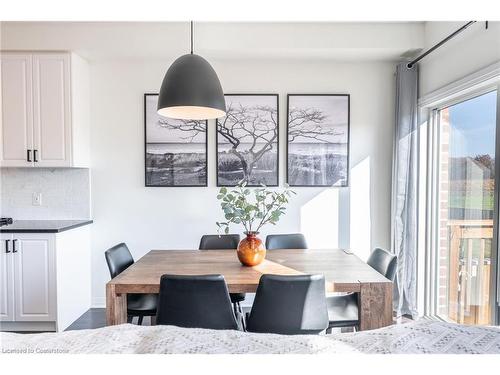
318 140
175 150
247 140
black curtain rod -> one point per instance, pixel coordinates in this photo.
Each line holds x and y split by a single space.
411 63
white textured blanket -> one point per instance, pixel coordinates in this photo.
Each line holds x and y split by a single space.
423 336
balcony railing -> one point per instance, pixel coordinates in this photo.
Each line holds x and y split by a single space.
469 268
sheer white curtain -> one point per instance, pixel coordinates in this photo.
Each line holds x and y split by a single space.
404 190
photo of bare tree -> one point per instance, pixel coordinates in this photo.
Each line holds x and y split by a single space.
175 150
318 140
247 140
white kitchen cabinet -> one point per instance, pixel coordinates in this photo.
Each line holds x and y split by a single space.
45 110
28 277
45 279
6 278
51 110
34 277
17 110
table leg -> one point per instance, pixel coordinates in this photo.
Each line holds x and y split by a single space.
116 306
375 301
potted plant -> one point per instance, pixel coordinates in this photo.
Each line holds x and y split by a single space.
266 207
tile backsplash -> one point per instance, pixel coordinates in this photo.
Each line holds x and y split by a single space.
65 193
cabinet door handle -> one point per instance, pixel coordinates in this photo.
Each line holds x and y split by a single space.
14 246
34 156
7 246
28 156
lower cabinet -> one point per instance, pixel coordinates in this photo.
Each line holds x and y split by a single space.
38 276
6 279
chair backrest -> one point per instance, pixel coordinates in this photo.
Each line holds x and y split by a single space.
289 305
118 259
384 262
222 242
200 301
286 241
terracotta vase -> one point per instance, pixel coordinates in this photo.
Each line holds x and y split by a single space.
251 250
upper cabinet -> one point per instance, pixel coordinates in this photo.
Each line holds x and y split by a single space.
45 110
17 109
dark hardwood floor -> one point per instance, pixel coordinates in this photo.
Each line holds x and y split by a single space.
93 318
96 318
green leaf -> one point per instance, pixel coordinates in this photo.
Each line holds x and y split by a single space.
266 207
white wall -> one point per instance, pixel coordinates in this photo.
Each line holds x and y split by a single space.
175 218
472 50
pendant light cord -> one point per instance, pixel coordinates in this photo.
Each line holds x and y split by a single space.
191 37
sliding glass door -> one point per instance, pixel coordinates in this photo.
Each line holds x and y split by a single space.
464 256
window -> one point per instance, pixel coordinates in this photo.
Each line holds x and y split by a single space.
464 255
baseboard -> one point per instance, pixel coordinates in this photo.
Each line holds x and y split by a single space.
28 326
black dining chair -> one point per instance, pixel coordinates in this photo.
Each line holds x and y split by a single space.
200 301
343 310
384 262
224 242
119 259
219 242
289 305
286 241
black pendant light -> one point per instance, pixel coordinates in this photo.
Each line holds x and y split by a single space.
191 89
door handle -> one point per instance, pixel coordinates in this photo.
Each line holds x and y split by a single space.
7 246
14 246
28 156
34 156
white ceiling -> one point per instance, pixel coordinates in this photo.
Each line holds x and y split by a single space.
342 41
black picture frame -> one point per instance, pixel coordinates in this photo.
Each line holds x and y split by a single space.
290 183
149 184
277 142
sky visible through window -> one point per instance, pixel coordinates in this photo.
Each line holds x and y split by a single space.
473 124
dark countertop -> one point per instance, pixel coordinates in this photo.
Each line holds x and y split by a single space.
43 226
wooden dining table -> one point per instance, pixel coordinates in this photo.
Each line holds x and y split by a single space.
343 271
